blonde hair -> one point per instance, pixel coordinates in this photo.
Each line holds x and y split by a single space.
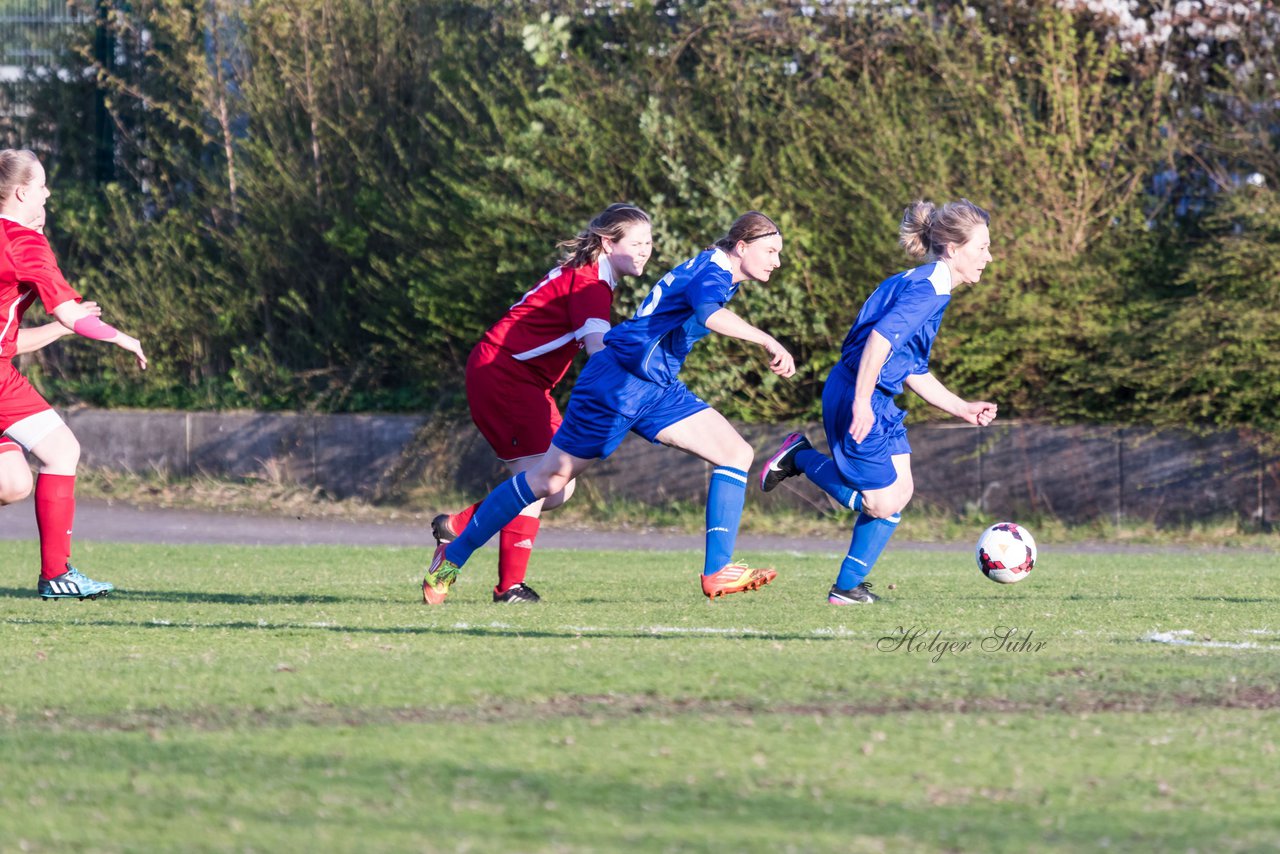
752 225
16 169
612 222
926 230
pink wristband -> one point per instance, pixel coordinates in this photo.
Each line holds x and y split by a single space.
93 327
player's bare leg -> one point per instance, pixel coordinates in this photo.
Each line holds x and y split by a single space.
15 474
885 502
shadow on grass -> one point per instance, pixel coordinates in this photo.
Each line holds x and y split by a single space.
191 597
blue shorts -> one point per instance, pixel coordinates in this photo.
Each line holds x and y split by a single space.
609 401
868 465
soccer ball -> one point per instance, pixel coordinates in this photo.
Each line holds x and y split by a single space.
1006 552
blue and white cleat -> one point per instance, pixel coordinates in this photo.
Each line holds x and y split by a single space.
73 585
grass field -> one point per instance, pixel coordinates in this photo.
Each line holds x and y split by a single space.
234 699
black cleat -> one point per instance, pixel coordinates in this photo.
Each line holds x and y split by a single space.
782 464
860 595
441 529
516 594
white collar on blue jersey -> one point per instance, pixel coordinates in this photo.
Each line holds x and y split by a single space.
940 278
607 274
721 259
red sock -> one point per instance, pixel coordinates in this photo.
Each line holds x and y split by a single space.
55 511
515 545
462 518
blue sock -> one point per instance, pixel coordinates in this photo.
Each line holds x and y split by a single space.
870 536
821 470
725 495
502 505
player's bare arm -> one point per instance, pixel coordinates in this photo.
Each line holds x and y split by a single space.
76 317
725 322
38 337
874 353
932 391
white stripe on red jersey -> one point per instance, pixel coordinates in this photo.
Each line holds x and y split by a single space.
544 330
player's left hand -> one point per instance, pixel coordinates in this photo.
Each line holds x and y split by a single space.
979 412
780 361
134 346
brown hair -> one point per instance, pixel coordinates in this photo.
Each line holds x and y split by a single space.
612 222
926 230
752 225
16 169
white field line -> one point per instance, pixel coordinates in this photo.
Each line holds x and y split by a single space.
1177 637
603 630
728 631
839 631
668 630
1184 637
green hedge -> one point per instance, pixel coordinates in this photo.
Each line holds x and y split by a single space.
321 204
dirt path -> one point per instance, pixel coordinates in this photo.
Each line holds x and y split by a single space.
115 522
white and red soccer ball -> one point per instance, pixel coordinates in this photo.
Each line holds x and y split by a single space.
1006 552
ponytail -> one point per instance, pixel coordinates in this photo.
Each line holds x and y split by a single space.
926 230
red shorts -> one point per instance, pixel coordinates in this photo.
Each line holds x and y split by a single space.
18 400
514 411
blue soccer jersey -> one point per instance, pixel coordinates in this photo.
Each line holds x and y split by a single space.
906 309
654 343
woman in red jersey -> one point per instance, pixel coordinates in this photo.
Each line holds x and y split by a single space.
522 357
28 270
15 475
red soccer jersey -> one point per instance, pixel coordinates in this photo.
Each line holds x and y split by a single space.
545 329
27 268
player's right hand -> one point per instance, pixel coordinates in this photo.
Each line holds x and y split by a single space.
134 346
979 412
863 420
781 362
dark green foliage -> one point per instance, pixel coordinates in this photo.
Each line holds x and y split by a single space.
323 203
1215 360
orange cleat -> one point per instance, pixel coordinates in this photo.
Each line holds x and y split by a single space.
734 578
